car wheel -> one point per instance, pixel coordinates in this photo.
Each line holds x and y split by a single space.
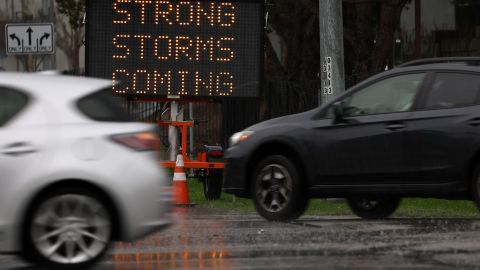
475 188
212 185
277 190
378 208
67 229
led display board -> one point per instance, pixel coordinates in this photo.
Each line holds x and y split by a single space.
197 49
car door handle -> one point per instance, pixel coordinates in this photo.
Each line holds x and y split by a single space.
395 126
474 122
18 149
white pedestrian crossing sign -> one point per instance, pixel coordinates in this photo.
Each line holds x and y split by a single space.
35 38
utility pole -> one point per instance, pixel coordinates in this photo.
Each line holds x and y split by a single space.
49 15
331 50
418 29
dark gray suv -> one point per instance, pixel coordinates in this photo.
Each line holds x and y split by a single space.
413 131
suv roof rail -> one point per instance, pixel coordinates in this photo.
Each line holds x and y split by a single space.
469 61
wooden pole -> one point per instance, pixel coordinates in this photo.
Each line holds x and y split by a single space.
331 50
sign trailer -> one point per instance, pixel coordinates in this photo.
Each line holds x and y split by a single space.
187 50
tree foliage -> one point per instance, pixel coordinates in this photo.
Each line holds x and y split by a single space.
369 33
73 9
70 33
296 23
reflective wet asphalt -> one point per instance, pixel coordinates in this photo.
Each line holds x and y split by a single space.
213 239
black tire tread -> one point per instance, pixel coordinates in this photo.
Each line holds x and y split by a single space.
299 200
384 209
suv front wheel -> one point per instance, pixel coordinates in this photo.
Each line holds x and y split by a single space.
277 190
373 208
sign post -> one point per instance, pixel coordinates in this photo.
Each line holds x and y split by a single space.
29 38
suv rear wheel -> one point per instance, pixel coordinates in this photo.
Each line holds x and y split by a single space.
373 208
475 188
277 190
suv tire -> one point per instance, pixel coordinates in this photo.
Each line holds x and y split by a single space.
278 192
373 208
475 187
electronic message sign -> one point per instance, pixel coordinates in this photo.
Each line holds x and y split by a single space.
196 49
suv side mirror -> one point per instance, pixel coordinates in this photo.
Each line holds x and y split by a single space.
338 112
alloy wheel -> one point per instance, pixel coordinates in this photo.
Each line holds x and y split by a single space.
274 187
71 229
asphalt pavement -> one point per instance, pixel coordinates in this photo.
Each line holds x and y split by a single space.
213 239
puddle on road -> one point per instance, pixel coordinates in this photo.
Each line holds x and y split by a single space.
202 241
177 249
182 260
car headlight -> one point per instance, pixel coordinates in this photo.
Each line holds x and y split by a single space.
240 137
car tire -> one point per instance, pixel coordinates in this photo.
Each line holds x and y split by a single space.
212 185
378 208
278 192
475 186
67 228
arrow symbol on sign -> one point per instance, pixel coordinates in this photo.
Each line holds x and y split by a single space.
13 37
45 36
29 31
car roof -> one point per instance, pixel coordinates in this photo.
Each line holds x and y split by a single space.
437 67
58 86
440 67
448 67
459 60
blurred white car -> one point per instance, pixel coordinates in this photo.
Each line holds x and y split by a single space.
75 172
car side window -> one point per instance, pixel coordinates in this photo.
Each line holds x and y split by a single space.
102 106
451 90
11 103
394 94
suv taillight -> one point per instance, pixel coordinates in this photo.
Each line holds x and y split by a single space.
143 141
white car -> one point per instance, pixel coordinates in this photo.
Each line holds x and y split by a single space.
75 172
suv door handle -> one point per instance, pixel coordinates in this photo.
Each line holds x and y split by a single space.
395 126
18 149
474 122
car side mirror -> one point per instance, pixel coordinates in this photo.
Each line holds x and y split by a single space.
338 112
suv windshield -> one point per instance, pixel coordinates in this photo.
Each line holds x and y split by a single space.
103 106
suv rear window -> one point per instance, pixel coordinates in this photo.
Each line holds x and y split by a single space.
451 90
103 106
11 103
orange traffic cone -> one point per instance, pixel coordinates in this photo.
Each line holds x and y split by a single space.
180 187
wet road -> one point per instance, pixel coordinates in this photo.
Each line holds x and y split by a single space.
208 239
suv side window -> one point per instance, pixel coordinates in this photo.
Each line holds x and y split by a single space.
394 94
11 103
451 90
